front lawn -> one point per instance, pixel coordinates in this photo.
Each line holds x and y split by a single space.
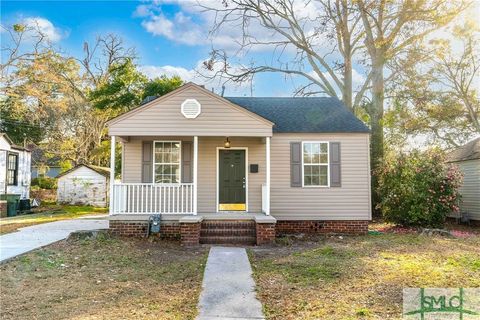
358 277
106 278
47 213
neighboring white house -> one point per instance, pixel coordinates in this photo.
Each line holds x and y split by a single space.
14 168
467 158
84 184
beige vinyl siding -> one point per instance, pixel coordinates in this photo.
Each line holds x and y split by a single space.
207 167
351 201
470 189
217 118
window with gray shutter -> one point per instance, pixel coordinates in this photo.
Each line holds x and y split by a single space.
335 165
147 158
295 164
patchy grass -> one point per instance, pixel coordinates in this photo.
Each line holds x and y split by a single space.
105 278
358 277
45 214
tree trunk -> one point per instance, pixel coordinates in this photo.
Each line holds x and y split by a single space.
376 122
347 82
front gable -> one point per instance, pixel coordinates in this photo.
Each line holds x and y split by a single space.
190 111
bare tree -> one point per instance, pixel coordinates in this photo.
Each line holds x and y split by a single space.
324 35
14 52
105 52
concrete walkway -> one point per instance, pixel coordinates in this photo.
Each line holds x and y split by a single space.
34 237
228 289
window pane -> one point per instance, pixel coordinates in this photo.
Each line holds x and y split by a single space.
315 148
323 158
323 148
323 180
307 180
167 157
315 180
323 170
315 170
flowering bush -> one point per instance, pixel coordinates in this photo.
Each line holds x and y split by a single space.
418 189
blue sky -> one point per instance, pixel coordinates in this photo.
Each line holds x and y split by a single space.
169 38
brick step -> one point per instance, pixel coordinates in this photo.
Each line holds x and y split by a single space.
228 232
228 240
228 225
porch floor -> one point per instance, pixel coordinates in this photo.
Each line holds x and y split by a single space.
224 215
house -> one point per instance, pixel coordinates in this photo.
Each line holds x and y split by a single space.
42 165
14 168
240 169
467 158
84 184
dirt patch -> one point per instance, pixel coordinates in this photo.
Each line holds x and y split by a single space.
358 277
104 278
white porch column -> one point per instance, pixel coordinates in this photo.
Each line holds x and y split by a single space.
195 173
112 173
267 182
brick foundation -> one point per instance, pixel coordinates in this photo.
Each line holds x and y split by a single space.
190 233
139 229
265 233
327 227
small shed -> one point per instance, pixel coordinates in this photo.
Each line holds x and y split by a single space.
467 158
84 184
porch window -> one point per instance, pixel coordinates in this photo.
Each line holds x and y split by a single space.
315 164
167 161
12 169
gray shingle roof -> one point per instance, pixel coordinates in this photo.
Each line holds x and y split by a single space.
303 114
469 151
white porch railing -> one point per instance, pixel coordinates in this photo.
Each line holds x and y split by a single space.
150 198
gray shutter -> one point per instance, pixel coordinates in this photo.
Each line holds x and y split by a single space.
147 159
335 165
187 162
295 164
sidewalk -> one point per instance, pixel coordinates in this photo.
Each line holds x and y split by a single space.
228 289
34 237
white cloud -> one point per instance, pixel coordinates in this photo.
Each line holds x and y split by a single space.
45 27
193 23
199 75
170 71
180 29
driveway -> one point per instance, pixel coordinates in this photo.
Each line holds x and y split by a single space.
34 237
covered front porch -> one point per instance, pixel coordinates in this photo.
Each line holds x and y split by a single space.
180 176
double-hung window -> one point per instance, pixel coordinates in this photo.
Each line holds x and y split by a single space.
12 169
167 161
315 164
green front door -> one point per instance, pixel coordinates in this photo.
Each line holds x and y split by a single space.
232 180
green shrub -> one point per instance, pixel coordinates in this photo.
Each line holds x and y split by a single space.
44 182
418 189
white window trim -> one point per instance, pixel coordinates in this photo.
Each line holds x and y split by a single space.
179 162
328 165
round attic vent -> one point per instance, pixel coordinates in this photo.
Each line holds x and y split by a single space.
191 108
